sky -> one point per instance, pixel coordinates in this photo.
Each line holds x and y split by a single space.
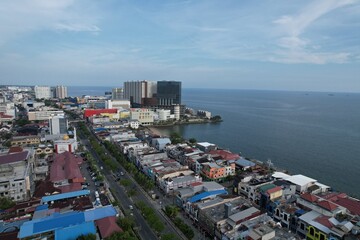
249 44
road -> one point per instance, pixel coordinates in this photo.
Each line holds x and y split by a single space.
142 228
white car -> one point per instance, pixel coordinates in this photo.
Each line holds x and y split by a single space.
131 207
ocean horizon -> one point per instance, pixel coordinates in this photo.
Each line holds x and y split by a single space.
316 134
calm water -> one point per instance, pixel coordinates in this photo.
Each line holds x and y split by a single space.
315 134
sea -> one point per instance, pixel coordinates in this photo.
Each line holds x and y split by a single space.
316 134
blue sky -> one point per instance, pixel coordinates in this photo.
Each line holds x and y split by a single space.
267 44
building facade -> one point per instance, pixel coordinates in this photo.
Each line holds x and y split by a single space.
58 125
16 175
117 93
61 92
168 93
140 92
42 92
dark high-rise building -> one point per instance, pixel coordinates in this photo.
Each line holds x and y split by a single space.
168 93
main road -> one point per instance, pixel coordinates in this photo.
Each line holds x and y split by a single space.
143 229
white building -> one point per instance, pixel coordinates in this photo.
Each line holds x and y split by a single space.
134 124
142 115
65 145
44 114
42 92
58 125
164 114
8 108
61 92
118 104
16 175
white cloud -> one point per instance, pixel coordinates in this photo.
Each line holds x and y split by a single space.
19 17
77 27
301 50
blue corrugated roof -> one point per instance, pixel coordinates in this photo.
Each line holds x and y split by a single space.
50 223
41 207
200 196
59 221
98 213
64 195
73 232
100 129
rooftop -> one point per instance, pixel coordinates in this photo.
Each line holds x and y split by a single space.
243 214
14 157
300 180
64 196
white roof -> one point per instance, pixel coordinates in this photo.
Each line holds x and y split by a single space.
205 144
323 186
300 180
280 175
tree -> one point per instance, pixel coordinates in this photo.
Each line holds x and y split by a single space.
6 203
126 223
171 211
216 118
169 236
192 140
87 237
122 236
176 138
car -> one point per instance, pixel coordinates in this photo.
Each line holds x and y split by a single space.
131 207
122 173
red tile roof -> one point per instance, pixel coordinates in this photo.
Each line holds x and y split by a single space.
70 188
275 189
65 166
350 204
324 220
226 155
327 205
309 197
196 184
14 157
15 149
107 226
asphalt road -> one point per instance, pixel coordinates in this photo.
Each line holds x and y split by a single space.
142 228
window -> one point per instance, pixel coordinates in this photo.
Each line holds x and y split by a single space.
322 236
21 190
312 232
20 183
285 217
302 226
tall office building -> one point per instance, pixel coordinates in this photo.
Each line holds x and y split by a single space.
140 93
168 93
42 92
117 93
61 92
58 125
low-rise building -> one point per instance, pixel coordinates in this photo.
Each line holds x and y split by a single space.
65 145
25 140
44 114
65 173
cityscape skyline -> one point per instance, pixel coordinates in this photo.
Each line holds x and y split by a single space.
307 45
